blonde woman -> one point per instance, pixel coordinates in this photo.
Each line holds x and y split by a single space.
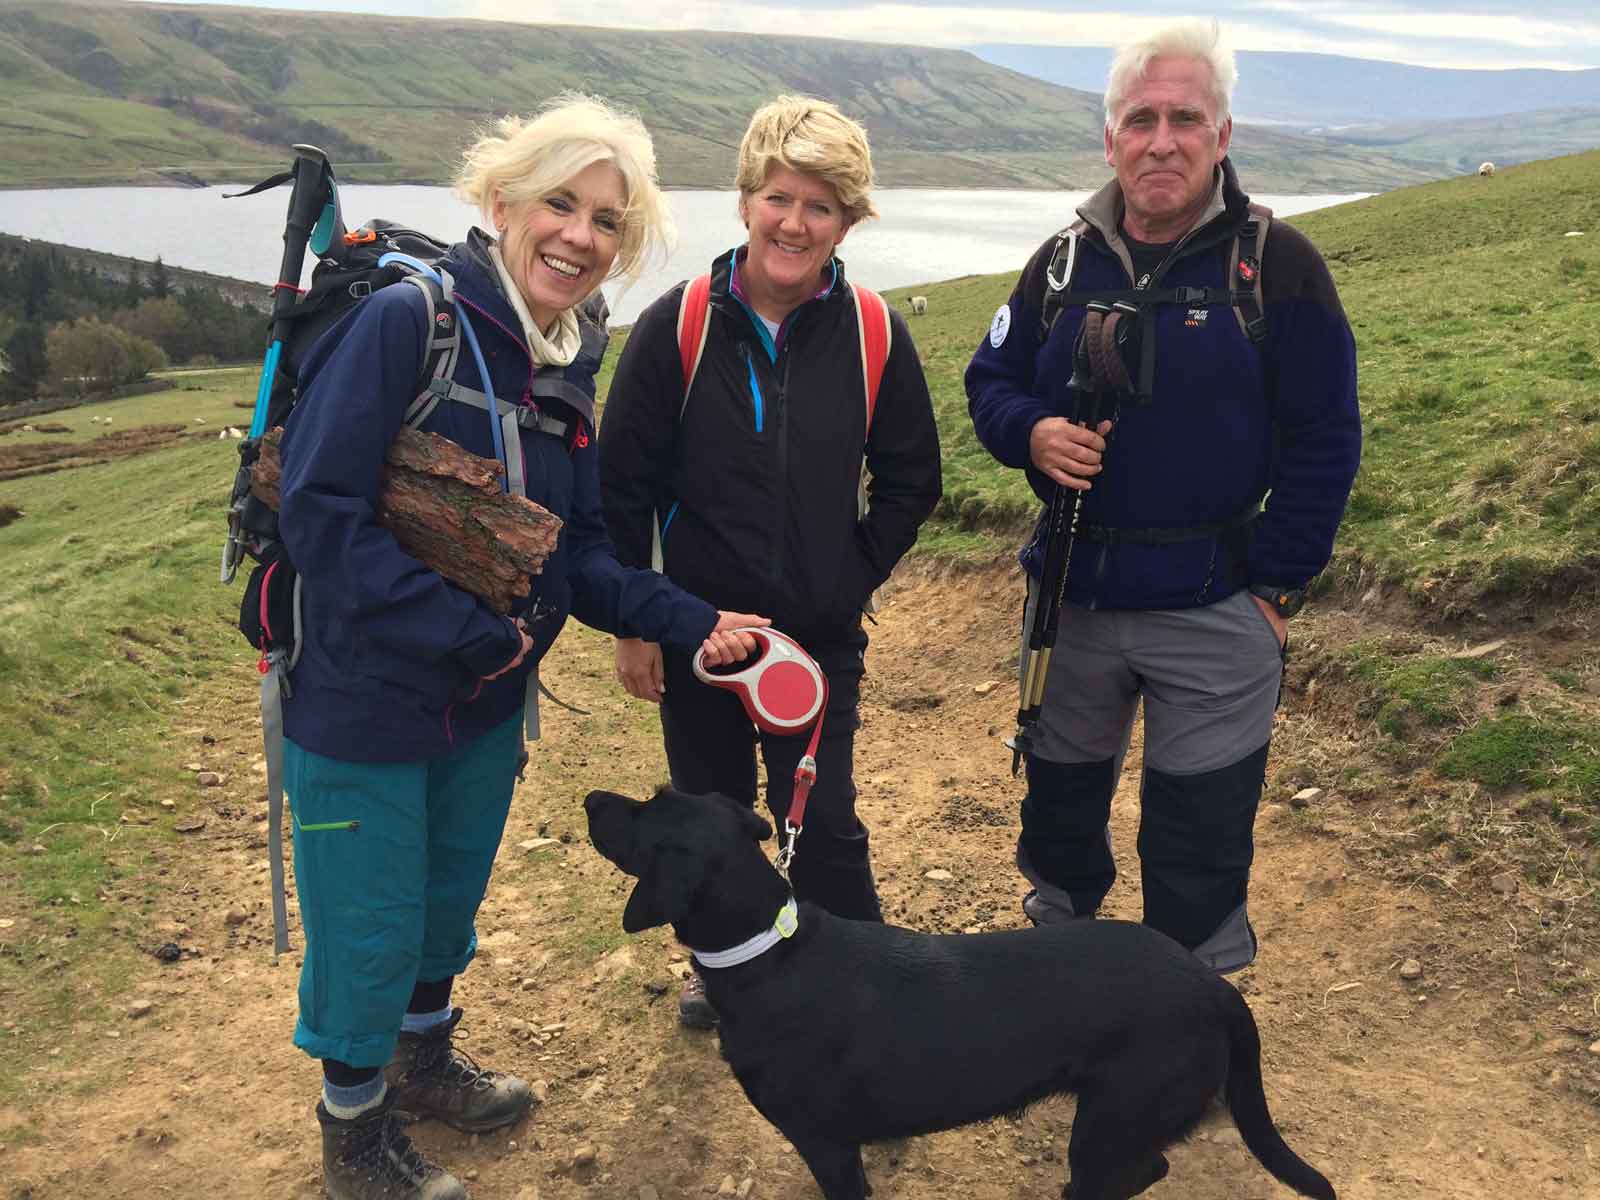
751 481
404 723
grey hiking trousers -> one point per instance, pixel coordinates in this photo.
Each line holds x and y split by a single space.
1209 678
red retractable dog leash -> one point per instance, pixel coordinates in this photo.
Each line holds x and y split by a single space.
783 691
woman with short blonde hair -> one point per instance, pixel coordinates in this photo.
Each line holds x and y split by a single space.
404 728
815 138
751 480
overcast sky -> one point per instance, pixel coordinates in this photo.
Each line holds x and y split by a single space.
1436 33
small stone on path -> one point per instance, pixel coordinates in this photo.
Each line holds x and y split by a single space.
169 803
210 779
1410 969
584 1156
235 916
1504 884
984 688
1594 1047
140 1008
1305 796
728 1187
192 825
533 844
1482 650
938 875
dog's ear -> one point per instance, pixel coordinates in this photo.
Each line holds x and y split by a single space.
754 824
660 897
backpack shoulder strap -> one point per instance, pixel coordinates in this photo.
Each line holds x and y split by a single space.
876 337
1058 275
1244 272
693 325
444 342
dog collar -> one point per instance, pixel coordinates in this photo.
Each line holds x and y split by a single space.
783 926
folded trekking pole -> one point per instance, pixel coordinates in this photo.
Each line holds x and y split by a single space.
1060 531
313 218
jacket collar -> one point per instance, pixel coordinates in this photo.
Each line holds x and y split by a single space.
478 279
1228 205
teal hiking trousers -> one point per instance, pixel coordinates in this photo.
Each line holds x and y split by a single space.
391 861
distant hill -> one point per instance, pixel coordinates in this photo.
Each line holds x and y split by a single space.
104 91
1328 89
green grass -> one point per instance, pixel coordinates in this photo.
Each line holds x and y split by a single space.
110 621
1553 751
1425 690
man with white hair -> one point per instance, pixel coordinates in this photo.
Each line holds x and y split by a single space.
1176 371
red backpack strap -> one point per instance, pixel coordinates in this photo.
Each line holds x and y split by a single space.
872 324
693 310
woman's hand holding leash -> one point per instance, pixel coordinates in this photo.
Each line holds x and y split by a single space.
639 669
725 646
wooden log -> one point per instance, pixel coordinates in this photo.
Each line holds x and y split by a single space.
445 507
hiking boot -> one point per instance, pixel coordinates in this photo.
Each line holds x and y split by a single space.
694 1010
370 1158
429 1076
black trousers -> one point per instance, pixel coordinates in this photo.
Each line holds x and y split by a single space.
711 747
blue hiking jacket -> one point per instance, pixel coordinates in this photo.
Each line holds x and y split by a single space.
394 657
1228 423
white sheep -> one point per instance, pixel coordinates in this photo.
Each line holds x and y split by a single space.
919 305
1486 169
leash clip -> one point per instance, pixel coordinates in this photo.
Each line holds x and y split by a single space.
791 834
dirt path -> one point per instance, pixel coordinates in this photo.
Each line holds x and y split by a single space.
1451 1086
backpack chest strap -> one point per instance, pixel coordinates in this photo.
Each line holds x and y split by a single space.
534 419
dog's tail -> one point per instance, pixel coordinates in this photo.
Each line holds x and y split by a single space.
1247 1101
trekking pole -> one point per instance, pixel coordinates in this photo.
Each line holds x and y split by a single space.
310 196
1061 531
313 204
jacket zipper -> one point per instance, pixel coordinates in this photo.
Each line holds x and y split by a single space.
780 431
527 391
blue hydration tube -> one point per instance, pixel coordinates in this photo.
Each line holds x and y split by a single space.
477 355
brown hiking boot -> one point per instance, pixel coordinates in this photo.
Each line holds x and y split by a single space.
370 1158
694 1010
430 1077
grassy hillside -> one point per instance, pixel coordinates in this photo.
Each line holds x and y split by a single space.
100 91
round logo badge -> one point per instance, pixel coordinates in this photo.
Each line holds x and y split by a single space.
1001 326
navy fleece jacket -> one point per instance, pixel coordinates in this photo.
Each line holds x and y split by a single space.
1228 422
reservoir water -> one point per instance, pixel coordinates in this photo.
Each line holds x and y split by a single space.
923 235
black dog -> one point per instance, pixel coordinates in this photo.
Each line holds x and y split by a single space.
846 1032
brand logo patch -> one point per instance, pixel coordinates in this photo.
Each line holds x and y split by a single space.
1001 326
1197 318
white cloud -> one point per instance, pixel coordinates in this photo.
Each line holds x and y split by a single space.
1557 36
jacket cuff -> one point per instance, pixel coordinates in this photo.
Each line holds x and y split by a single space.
490 655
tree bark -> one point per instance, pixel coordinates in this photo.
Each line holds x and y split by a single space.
445 507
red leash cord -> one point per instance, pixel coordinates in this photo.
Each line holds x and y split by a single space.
783 691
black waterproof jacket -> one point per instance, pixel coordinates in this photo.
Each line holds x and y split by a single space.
755 477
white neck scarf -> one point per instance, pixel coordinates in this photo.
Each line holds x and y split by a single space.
554 349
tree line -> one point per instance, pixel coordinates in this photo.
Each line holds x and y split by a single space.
70 327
